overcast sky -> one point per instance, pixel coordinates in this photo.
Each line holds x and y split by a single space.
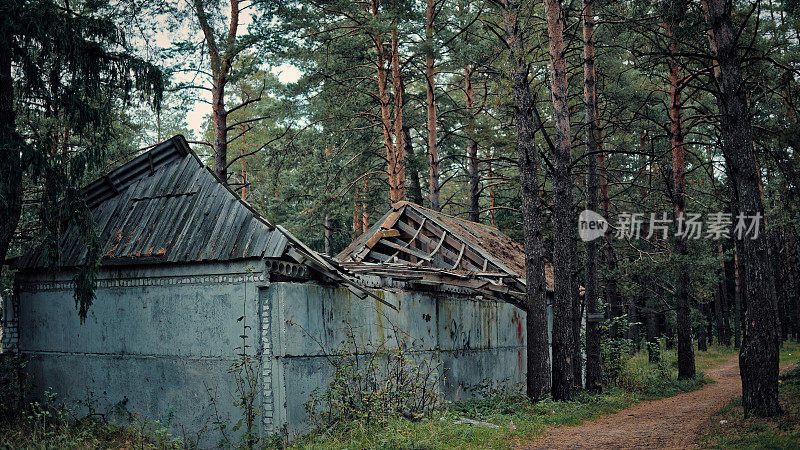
287 73
163 38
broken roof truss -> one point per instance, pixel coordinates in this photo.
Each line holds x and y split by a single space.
423 247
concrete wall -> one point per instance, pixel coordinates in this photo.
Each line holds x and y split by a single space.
158 337
479 344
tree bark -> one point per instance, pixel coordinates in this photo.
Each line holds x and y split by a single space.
490 176
220 120
594 368
686 366
758 357
415 187
718 322
609 256
738 306
653 346
328 235
538 348
364 210
356 215
430 108
221 60
563 232
398 191
703 332
472 150
387 125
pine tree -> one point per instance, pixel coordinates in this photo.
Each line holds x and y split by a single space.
61 83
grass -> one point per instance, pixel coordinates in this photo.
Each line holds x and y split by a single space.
55 431
730 429
46 425
518 420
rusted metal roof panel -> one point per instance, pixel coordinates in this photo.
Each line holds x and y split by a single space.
166 206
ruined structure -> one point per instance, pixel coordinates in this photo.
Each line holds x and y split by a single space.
191 275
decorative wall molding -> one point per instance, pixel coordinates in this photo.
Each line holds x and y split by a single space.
268 397
288 269
233 278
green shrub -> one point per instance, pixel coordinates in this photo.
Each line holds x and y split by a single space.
369 387
14 384
616 350
45 424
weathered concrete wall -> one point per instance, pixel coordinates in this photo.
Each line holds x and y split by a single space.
479 344
158 337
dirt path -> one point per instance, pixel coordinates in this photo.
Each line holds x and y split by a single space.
672 422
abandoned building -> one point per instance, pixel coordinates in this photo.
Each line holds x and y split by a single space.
189 268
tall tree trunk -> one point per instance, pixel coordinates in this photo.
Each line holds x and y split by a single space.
686 366
10 157
718 322
328 234
563 232
430 107
702 331
594 368
490 177
221 54
758 357
609 256
220 120
356 215
538 350
472 150
721 303
398 191
387 126
415 187
364 210
578 309
326 222
653 346
243 164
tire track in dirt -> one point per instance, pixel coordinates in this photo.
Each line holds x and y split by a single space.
673 422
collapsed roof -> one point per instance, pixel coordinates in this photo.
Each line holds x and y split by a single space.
420 245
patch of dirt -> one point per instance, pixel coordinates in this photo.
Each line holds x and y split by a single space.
673 422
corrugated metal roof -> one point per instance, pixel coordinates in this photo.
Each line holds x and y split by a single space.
166 206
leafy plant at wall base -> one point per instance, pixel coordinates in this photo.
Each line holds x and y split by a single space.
372 386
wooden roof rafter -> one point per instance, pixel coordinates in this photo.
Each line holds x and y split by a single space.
421 240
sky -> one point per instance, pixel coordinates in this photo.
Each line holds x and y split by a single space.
196 118
163 36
